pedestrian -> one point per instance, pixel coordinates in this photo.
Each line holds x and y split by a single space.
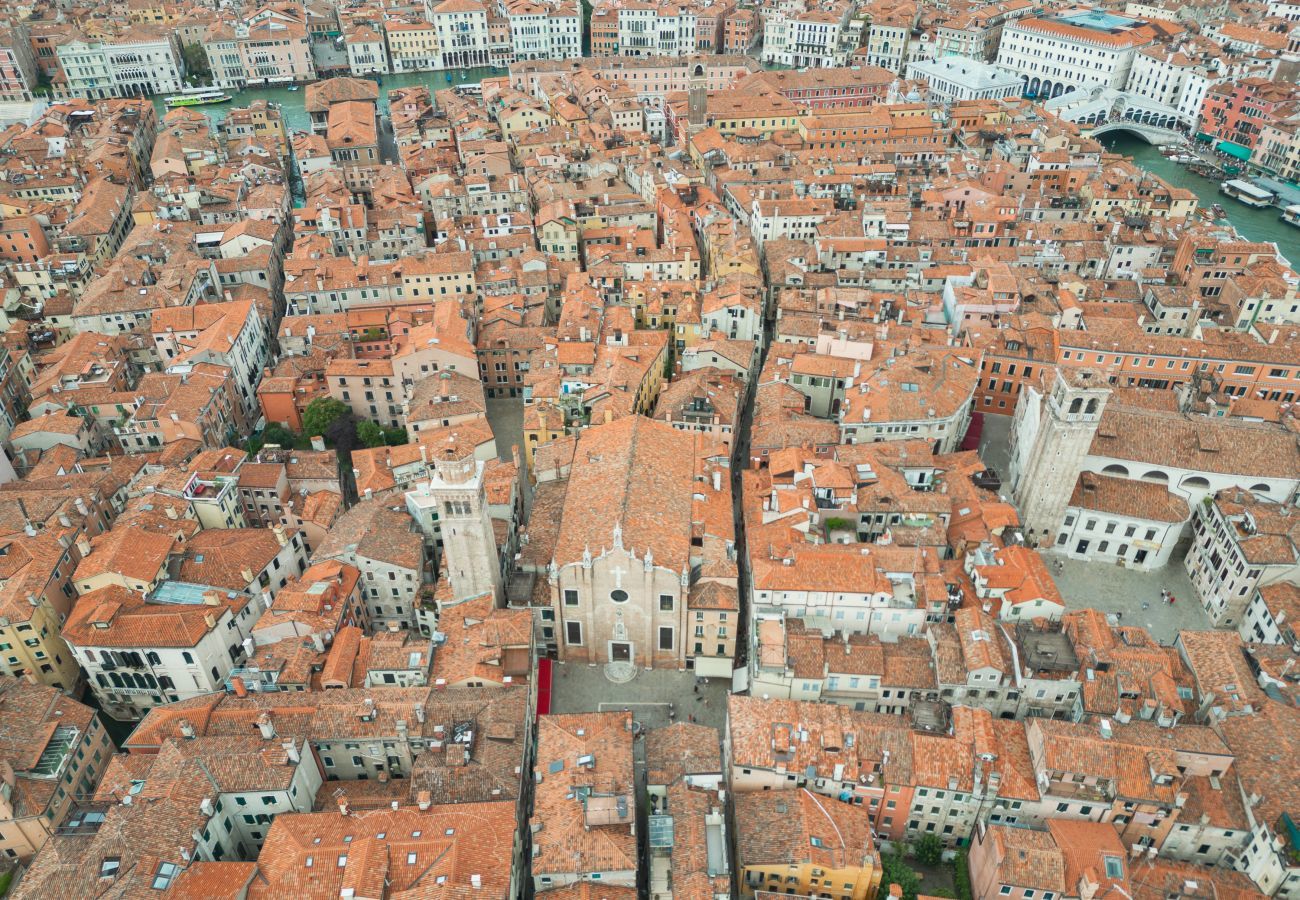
1171 599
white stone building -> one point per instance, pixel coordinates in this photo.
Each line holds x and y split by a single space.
139 654
1271 615
1240 543
1072 49
127 66
812 38
645 30
1117 520
953 78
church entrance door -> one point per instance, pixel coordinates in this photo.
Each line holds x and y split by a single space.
620 651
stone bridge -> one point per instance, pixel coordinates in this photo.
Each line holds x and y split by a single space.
1152 134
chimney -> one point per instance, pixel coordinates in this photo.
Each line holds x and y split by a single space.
266 726
187 729
424 799
247 574
237 684
81 507
343 806
280 536
717 480
291 751
83 545
318 642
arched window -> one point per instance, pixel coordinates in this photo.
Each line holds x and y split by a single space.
1156 475
1075 405
1195 481
1092 407
1116 469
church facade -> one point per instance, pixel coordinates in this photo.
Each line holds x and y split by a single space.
643 570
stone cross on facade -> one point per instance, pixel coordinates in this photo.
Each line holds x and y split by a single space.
618 572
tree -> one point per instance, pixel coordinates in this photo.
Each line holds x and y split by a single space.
275 433
370 434
342 433
321 413
196 62
894 870
929 850
396 437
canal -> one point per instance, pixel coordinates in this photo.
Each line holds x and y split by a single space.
1254 224
292 102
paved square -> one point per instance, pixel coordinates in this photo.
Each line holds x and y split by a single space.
506 416
1115 590
577 687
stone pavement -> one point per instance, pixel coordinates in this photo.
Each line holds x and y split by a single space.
578 688
1115 590
506 416
995 447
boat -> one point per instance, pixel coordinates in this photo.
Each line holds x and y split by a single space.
1291 215
292 87
1247 193
197 97
448 74
1184 159
1218 212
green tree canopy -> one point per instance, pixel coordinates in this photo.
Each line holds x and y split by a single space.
895 870
929 850
321 413
369 434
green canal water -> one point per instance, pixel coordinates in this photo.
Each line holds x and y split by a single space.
291 102
1254 224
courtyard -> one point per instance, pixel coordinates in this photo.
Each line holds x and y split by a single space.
578 688
1112 589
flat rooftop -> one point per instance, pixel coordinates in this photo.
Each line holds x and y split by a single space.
186 592
1096 20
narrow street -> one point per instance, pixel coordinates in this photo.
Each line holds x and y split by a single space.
740 462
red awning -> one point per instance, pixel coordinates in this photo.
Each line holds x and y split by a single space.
972 439
543 686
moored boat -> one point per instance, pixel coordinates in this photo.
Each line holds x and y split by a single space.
198 97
